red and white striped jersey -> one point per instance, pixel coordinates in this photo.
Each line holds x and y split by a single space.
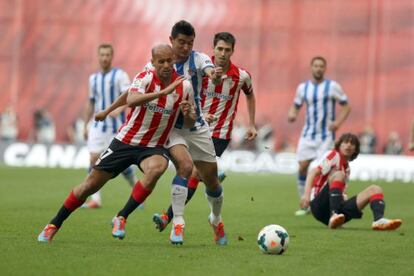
150 124
221 100
332 161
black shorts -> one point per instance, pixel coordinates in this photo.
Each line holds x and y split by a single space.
119 156
320 207
220 145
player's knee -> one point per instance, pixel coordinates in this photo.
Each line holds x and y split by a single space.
156 169
375 189
185 169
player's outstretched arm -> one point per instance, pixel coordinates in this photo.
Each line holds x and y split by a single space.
345 110
251 109
118 105
305 200
137 99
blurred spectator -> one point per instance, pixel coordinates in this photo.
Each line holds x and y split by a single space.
75 132
265 138
393 144
368 140
44 127
8 125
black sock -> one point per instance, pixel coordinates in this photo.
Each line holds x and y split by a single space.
377 207
60 217
129 207
335 200
190 194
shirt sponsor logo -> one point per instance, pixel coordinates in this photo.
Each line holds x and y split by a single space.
218 96
156 109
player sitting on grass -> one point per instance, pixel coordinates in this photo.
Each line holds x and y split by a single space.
327 183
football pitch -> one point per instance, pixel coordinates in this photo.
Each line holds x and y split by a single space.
29 198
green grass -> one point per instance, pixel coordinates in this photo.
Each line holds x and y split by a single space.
29 198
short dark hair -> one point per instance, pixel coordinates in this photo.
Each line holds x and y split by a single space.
226 37
318 58
349 137
182 27
106 46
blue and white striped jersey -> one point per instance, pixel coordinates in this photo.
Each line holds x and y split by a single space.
320 107
193 69
104 89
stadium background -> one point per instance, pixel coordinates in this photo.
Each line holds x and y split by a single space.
48 50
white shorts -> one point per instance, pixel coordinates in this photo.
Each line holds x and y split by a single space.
312 149
98 141
199 143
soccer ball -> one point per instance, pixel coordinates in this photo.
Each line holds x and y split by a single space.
273 239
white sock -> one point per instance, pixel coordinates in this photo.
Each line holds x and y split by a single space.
215 205
97 197
178 197
129 175
301 187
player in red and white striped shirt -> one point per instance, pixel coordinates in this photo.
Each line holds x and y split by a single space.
219 105
156 98
328 201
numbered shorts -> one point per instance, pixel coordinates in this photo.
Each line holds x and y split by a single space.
119 156
312 149
99 140
199 143
321 211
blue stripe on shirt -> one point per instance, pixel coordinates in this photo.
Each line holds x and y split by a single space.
305 96
103 99
112 94
325 109
95 92
333 117
315 110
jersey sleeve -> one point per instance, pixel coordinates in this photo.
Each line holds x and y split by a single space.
247 87
203 62
140 83
329 160
339 94
92 87
299 96
124 82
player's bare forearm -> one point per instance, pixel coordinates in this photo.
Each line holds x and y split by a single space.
308 187
88 112
345 110
293 113
118 105
251 109
190 120
190 117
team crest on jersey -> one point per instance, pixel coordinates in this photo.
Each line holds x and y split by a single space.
137 83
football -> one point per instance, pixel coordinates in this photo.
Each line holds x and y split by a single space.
273 239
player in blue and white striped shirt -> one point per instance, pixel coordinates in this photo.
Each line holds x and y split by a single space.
318 134
105 87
